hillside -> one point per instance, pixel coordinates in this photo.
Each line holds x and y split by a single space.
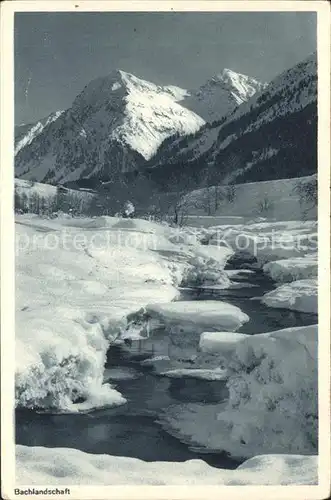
273 200
26 133
115 124
44 199
272 136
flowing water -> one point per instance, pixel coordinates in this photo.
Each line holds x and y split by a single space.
132 429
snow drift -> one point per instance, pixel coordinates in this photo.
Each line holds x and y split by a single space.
268 241
297 268
80 285
272 405
75 289
38 466
300 295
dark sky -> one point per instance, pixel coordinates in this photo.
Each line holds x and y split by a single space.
57 54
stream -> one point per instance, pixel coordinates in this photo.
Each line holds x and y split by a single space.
132 429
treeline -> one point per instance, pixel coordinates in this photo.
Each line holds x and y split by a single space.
63 200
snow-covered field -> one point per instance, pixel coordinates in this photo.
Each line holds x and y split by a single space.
37 197
68 466
85 283
273 200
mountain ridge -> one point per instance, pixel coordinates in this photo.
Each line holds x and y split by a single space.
221 94
115 123
257 138
121 125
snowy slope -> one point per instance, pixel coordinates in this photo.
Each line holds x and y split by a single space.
272 135
115 123
35 197
24 134
273 200
220 95
289 93
213 101
275 132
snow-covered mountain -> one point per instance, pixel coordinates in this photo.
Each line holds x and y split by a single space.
273 135
25 133
220 95
115 124
121 124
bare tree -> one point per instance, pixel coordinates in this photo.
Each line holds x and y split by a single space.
265 206
230 193
179 211
307 191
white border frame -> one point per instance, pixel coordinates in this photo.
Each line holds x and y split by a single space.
8 10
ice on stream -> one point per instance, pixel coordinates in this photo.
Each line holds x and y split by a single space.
297 268
197 316
197 373
300 295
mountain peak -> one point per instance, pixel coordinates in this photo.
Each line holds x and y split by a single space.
226 72
228 76
117 122
221 94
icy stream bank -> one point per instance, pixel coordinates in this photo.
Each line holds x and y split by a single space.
72 303
78 281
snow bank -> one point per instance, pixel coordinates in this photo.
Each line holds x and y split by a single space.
300 295
185 321
197 316
95 222
272 406
219 342
59 466
205 272
142 225
76 287
80 285
60 356
267 241
238 273
293 269
206 267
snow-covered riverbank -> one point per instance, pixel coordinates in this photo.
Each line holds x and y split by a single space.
67 466
272 404
77 282
83 284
